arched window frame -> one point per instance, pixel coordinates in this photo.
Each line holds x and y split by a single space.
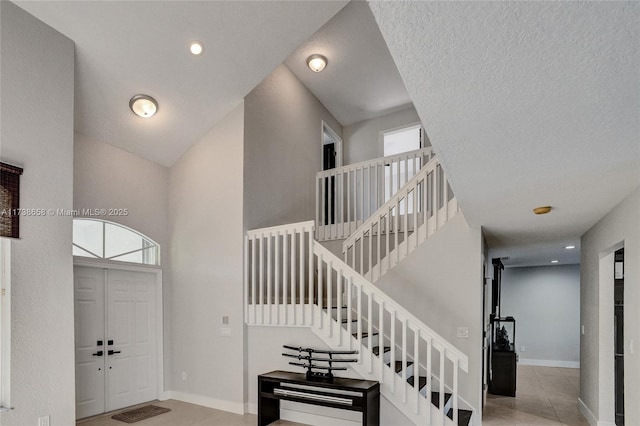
150 247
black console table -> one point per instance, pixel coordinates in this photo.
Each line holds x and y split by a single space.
345 394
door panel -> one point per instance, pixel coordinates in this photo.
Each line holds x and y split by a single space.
128 376
89 328
131 325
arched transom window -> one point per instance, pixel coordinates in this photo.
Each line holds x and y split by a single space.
99 239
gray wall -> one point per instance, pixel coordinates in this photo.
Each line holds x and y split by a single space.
545 301
621 226
282 151
37 133
139 185
441 284
205 229
362 141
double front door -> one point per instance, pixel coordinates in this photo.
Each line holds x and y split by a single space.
115 339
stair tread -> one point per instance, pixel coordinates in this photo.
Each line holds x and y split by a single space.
399 365
376 350
464 416
364 334
422 381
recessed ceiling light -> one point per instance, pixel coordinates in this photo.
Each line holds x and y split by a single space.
569 247
196 48
316 63
554 261
143 106
542 210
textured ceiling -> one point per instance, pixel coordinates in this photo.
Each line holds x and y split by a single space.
128 47
361 80
528 104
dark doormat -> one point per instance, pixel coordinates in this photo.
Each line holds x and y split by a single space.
141 413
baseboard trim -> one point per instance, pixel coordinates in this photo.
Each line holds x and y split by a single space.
584 410
549 363
307 418
218 404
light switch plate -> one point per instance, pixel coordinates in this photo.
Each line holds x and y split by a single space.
225 331
462 332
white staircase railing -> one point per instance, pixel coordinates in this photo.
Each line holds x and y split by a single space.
347 196
415 211
292 280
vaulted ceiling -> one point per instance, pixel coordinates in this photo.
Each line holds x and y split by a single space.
527 103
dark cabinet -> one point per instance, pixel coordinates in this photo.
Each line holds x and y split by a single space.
503 357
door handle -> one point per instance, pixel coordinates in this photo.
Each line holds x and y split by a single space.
99 353
112 352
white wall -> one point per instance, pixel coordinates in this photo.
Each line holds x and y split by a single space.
621 226
545 301
362 141
105 176
283 147
206 237
37 66
441 284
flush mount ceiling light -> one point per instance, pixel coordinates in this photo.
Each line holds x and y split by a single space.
143 106
569 247
542 210
196 48
316 63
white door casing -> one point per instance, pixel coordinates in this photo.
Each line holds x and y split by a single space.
118 307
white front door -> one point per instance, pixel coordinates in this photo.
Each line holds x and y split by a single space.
116 358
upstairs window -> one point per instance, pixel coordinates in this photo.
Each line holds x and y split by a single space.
99 239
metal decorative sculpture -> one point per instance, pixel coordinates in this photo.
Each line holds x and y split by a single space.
310 358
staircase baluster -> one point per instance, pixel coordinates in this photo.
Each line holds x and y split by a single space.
269 272
380 339
261 279
246 279
319 197
370 329
392 337
416 204
320 285
339 303
441 379
404 361
349 201
294 301
369 266
406 224
323 214
455 391
277 277
416 366
311 270
349 313
285 273
301 272
359 324
329 297
429 377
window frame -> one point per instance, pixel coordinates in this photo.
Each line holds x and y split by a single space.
103 258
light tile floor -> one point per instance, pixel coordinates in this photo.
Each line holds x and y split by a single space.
544 396
184 414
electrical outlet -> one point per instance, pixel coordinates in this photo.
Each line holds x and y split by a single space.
462 332
43 421
225 320
225 331
521 348
184 376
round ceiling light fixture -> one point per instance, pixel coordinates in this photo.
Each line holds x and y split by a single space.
316 63
542 210
143 106
196 48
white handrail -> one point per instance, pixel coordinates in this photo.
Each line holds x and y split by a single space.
409 217
292 280
346 196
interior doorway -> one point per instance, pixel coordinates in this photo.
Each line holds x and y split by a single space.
331 158
118 337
